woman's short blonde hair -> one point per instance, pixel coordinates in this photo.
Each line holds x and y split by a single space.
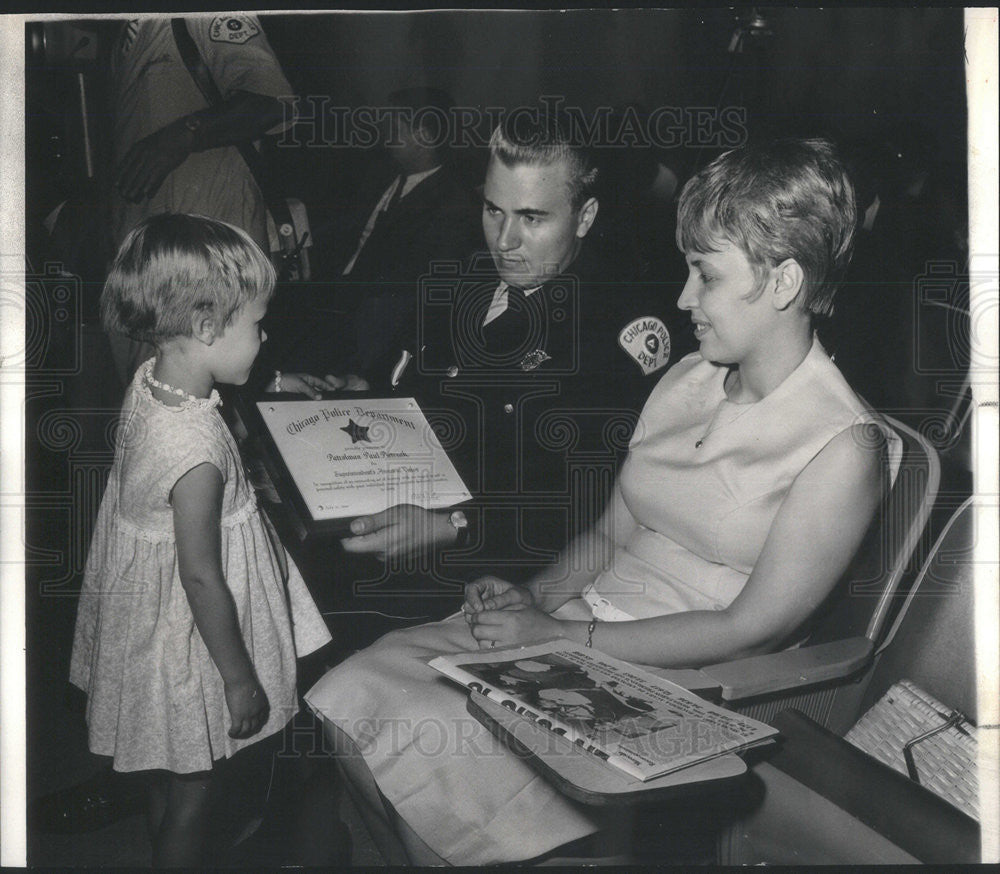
172 266
791 198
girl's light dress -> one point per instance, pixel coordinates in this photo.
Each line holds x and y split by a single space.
155 698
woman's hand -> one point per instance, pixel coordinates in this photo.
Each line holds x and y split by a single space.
493 593
400 531
248 708
307 384
517 624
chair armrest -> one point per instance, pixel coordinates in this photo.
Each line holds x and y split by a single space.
790 668
774 672
691 679
909 815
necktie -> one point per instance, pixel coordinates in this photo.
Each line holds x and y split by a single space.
508 329
498 305
397 195
502 300
386 202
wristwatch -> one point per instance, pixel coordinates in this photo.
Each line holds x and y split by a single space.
461 525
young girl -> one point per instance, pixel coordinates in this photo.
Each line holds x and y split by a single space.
191 615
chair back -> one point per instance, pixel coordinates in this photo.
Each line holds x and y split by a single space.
932 641
823 800
863 601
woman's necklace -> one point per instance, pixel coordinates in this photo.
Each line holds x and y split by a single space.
712 427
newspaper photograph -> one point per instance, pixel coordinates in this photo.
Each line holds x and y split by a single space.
632 719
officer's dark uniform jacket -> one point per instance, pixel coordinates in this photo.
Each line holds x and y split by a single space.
536 408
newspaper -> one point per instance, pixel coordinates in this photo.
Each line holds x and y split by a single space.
631 719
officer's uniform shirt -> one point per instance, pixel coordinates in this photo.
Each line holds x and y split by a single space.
536 401
151 88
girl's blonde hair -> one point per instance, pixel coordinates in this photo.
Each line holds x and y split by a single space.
172 266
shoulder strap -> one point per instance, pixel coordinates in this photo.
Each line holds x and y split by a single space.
202 77
194 62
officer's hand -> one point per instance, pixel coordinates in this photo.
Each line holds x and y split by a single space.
306 384
400 531
348 382
353 382
150 160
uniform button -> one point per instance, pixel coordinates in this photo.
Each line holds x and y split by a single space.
508 408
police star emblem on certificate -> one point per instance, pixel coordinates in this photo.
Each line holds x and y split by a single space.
353 457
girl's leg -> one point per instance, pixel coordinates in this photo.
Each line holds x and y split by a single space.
157 801
319 837
183 836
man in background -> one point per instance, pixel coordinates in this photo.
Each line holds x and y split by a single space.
421 213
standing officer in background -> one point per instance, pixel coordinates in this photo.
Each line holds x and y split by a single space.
175 153
532 363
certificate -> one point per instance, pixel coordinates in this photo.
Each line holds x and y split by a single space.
353 457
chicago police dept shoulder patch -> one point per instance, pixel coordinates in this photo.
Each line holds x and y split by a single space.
235 29
647 341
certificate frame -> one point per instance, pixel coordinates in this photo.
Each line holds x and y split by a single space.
263 447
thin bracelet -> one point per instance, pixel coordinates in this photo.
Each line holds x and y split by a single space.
277 381
590 631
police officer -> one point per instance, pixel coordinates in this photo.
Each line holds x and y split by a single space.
532 363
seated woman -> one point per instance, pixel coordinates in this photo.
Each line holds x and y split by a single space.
750 482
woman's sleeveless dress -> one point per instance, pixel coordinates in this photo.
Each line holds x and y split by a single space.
703 515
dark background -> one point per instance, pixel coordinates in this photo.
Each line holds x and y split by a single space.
888 75
874 74
841 68
853 74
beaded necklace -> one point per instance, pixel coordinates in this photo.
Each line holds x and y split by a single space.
152 381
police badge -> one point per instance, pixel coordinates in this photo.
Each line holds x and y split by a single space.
233 29
647 341
534 359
